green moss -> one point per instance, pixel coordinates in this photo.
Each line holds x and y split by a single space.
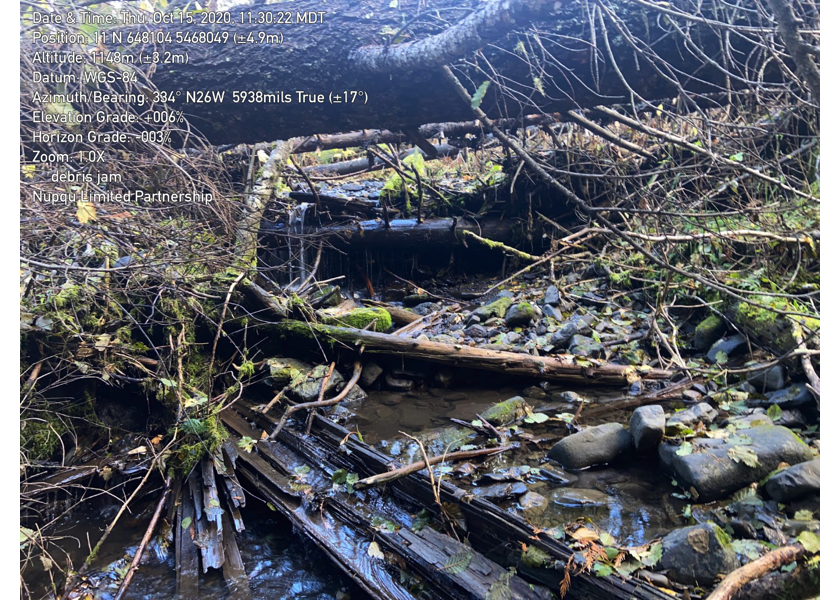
723 538
360 318
201 438
40 439
507 411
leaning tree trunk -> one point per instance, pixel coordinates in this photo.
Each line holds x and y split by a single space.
576 55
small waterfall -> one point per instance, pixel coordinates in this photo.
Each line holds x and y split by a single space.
297 221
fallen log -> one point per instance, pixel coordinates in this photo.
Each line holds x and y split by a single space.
340 524
398 85
401 234
358 165
553 368
359 206
353 139
496 536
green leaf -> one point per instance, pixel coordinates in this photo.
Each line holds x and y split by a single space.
534 557
607 539
804 515
500 589
27 535
602 570
810 540
536 418
351 480
339 476
247 443
628 567
739 157
684 449
479 95
740 440
169 383
749 548
270 506
185 522
458 563
744 455
721 357
654 555
302 470
775 412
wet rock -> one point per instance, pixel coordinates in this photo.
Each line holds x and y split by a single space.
713 472
697 555
692 396
582 345
795 395
558 476
577 324
465 469
284 370
424 308
533 504
593 445
520 315
444 377
770 379
647 425
668 450
689 418
511 474
553 312
512 338
370 373
356 394
725 348
574 497
384 412
571 397
497 308
552 296
708 330
308 389
506 412
794 482
444 339
501 491
755 419
476 331
395 383
792 418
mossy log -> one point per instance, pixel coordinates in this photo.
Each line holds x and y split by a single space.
553 368
772 330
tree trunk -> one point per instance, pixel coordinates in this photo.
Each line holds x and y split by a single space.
552 368
305 78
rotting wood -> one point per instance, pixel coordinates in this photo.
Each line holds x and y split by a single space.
494 532
553 368
425 553
233 569
422 464
186 552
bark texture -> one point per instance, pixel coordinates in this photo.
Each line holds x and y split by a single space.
402 84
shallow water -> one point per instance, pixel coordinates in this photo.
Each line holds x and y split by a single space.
280 563
631 499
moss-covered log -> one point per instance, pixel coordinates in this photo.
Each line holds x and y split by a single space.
772 330
554 368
